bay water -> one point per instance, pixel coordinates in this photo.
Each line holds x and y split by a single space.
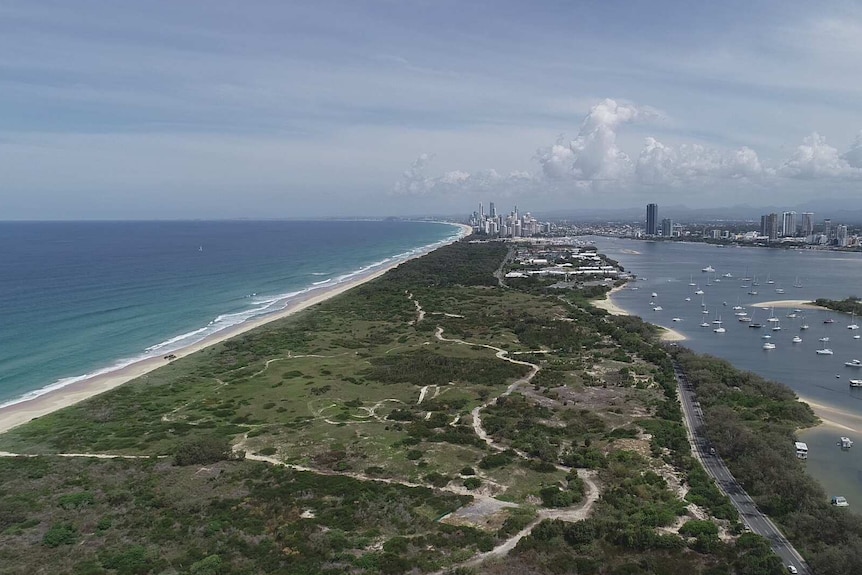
667 268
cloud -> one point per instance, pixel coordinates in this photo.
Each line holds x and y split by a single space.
814 158
593 154
594 162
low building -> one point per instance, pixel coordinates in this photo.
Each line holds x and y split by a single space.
801 450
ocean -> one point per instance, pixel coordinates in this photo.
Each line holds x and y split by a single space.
667 268
83 298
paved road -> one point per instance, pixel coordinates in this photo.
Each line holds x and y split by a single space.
751 515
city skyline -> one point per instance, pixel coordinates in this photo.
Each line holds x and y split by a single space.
353 109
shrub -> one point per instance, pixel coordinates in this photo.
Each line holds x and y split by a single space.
60 534
202 450
472 482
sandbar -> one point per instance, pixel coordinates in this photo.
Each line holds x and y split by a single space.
788 303
669 334
20 413
834 417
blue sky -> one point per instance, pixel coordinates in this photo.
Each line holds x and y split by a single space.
296 109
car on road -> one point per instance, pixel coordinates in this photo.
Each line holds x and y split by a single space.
792 569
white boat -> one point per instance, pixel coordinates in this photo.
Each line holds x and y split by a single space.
824 351
653 294
708 269
727 275
768 280
791 315
852 323
657 308
824 339
768 345
772 318
766 336
688 299
804 325
845 443
853 363
797 283
745 319
691 281
719 329
704 324
857 336
856 383
752 292
839 501
741 313
797 339
677 319
779 290
776 327
705 311
699 292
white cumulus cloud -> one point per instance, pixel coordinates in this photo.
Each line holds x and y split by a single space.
814 158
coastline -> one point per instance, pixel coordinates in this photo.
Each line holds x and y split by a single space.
607 304
22 412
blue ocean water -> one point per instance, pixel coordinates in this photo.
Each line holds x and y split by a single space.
78 298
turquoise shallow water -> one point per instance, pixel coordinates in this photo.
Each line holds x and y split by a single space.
667 268
78 298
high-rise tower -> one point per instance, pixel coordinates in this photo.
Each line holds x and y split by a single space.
652 219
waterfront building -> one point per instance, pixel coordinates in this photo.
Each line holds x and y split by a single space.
841 236
769 226
788 224
667 227
807 223
827 229
652 219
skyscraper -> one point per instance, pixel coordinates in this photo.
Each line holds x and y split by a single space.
652 219
788 224
807 223
769 226
827 229
493 209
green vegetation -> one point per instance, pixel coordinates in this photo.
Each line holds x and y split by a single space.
377 401
752 424
850 305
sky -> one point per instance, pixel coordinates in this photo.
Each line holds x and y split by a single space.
285 109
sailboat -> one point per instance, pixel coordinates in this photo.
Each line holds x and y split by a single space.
772 318
797 339
797 283
852 323
691 281
804 325
769 280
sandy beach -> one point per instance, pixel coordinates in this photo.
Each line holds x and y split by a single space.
834 418
669 334
608 304
787 303
20 413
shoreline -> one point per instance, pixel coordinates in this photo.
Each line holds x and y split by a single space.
831 417
25 411
607 304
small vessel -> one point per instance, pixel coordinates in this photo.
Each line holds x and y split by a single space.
845 443
797 339
657 308
840 501
824 351
797 283
852 323
772 318
727 275
776 327
719 329
766 336
705 311
853 363
857 336
768 345
792 314
708 269
752 292
688 299
699 292
824 339
653 294
804 325
704 324
741 313
737 307
779 290
691 281
856 383
755 325
828 320
745 319
677 319
769 280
